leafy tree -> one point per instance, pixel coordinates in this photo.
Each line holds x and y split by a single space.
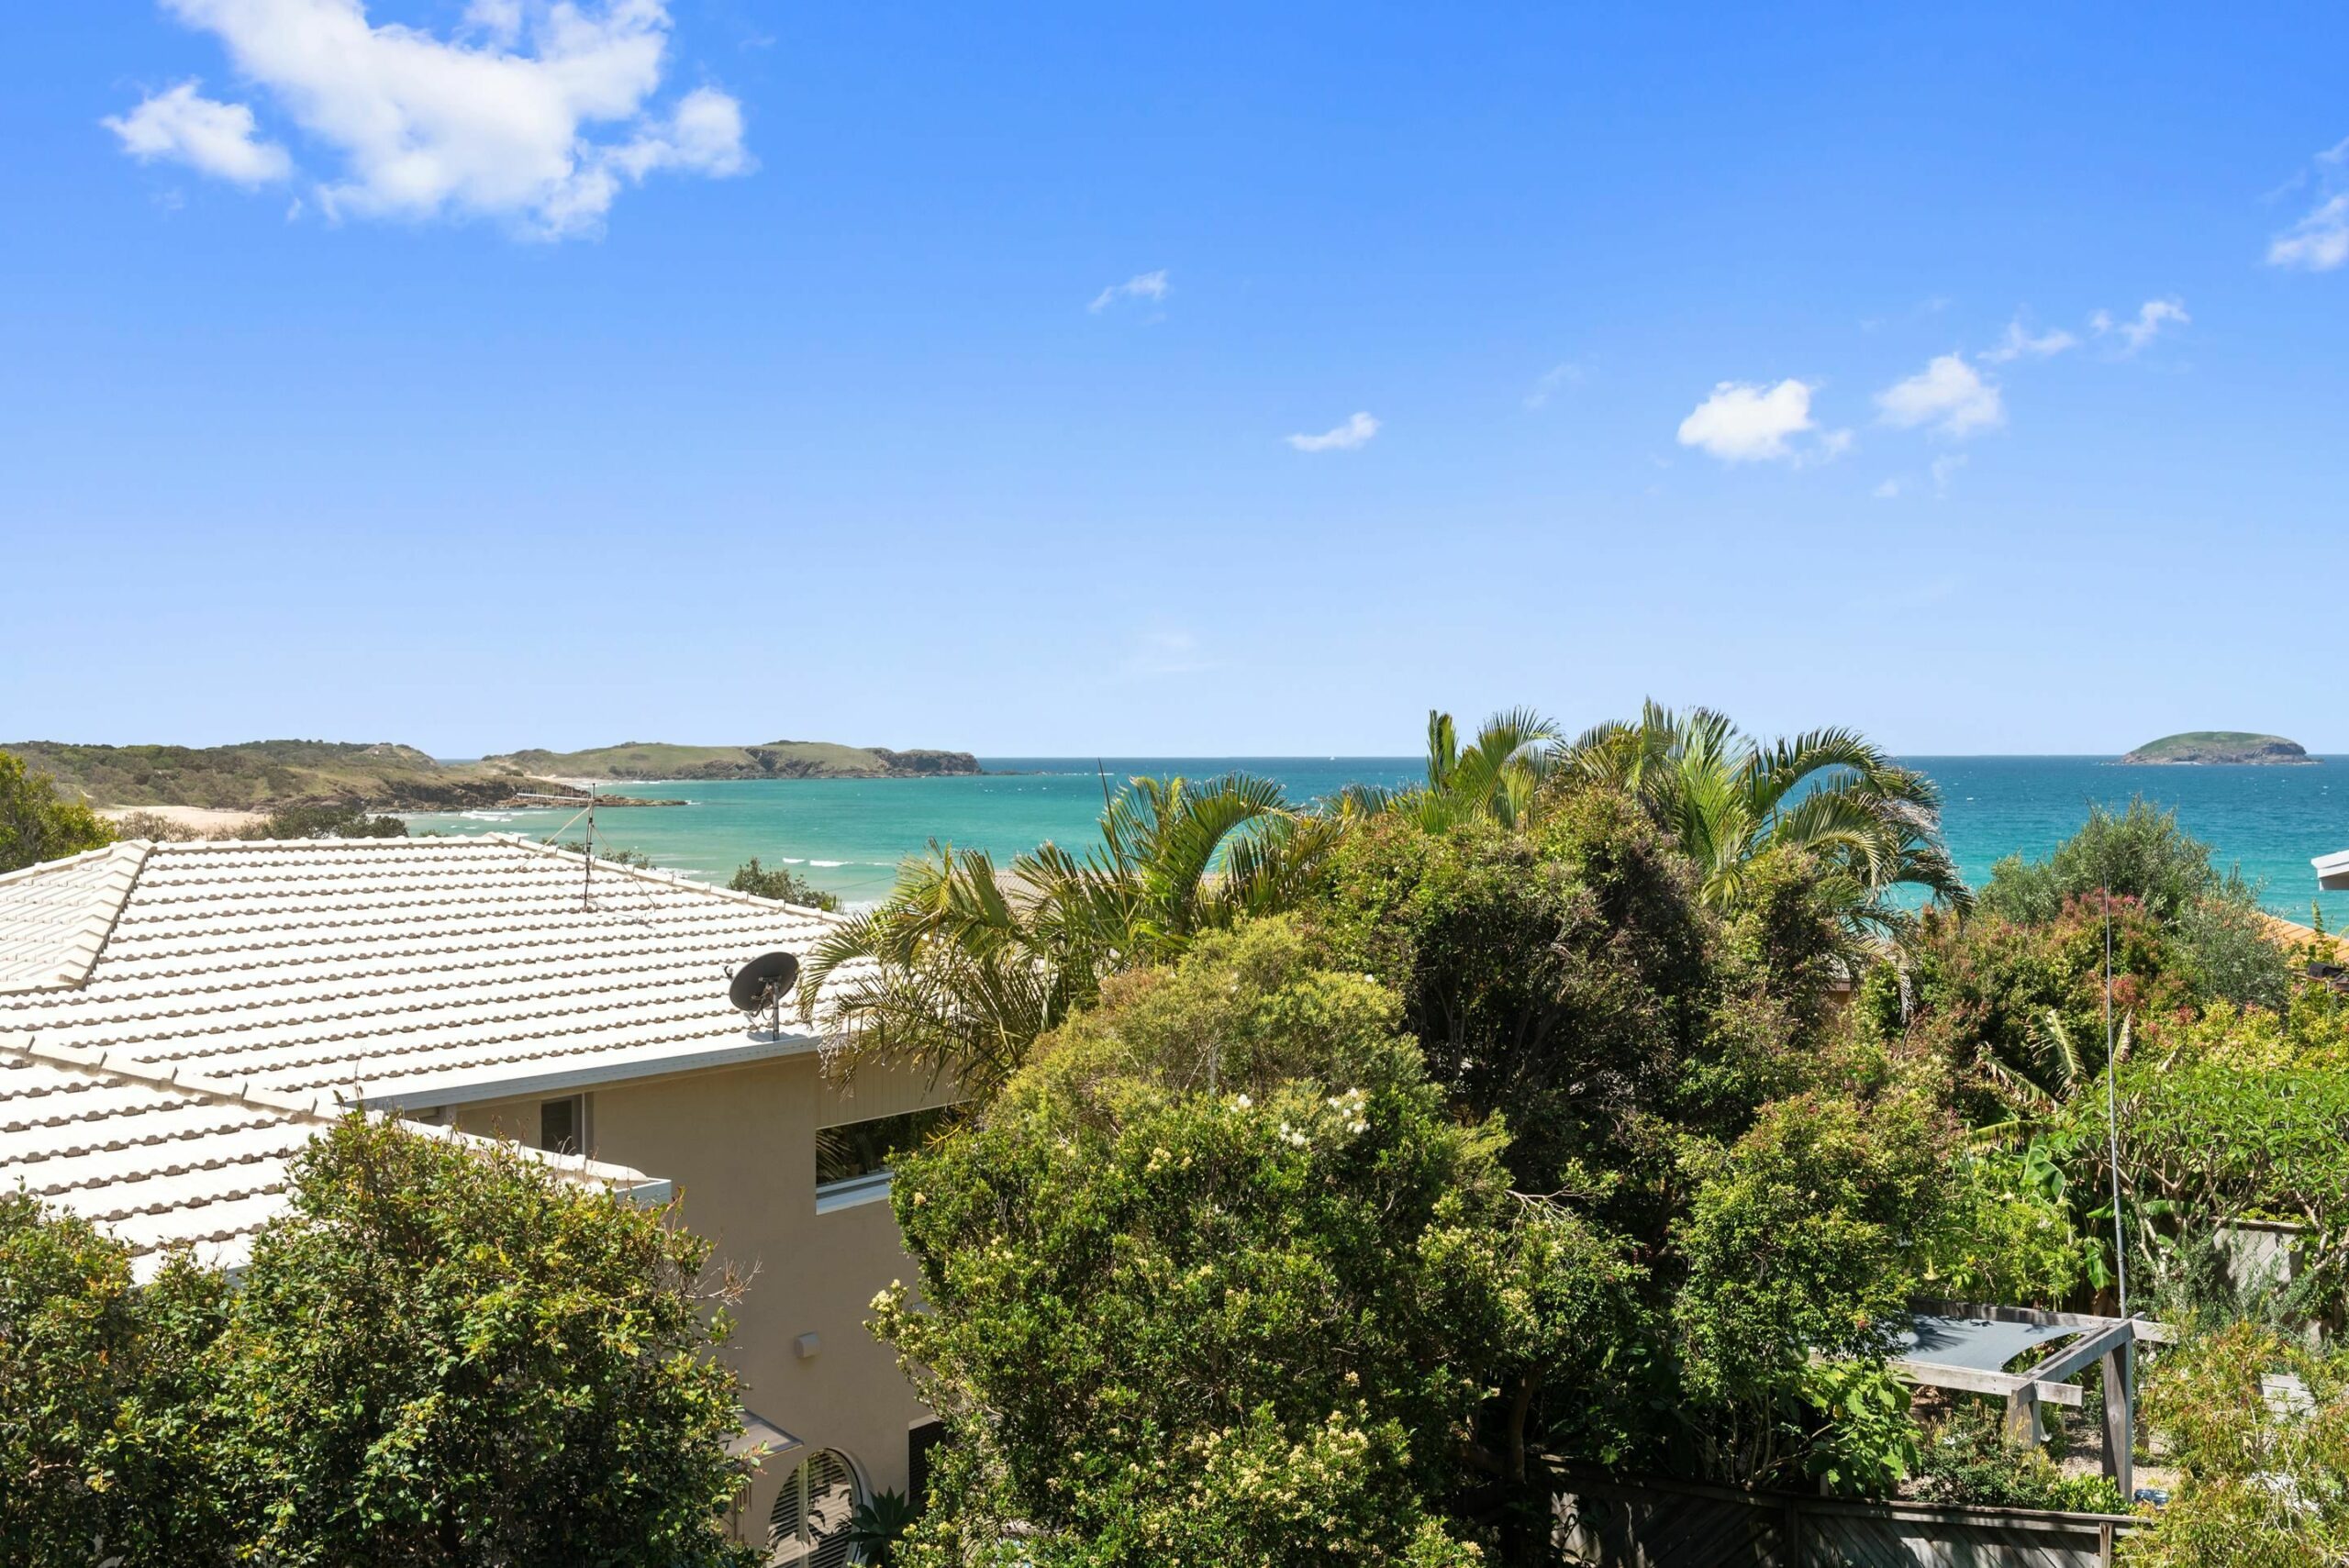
2138 853
37 824
1560 976
1800 1241
1570 977
1730 800
332 819
2008 1232
778 883
2263 1470
1498 779
103 1452
1217 1278
2141 858
449 1355
966 964
2015 1012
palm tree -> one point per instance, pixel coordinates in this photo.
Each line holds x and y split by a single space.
1730 799
1498 779
967 963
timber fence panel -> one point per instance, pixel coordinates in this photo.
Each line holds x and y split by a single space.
1614 1521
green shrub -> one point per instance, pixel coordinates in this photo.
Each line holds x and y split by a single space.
1968 1457
2263 1472
1217 1278
105 1448
441 1357
38 824
328 820
778 883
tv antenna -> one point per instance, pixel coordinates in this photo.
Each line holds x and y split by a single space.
759 986
587 872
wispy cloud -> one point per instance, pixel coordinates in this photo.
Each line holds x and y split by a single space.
2319 241
1142 285
1949 395
500 118
1567 373
1944 468
2152 316
1890 489
2021 343
210 136
1355 432
1749 422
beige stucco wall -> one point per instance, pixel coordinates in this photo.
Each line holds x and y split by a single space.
739 1144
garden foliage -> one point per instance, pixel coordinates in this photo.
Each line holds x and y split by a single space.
439 1357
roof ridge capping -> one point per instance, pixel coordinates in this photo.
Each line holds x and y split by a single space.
664 878
104 851
72 906
319 1110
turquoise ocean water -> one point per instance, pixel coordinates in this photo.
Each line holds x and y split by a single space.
849 834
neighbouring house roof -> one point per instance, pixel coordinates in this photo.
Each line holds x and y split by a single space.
2292 934
2333 869
161 1156
398 971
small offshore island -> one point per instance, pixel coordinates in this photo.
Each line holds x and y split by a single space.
2219 748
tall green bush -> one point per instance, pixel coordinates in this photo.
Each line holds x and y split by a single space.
442 1356
38 824
1218 1279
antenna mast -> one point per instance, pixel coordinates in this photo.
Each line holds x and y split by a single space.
2112 1111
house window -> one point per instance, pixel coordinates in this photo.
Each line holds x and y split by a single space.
852 1160
563 1125
809 1525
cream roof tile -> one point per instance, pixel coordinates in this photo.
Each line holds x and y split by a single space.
177 1020
161 1156
385 968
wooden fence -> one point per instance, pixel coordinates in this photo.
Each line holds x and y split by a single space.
1614 1521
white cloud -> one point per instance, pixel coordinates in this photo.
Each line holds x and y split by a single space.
1142 285
1355 432
2318 242
2150 317
1944 468
2020 343
1890 489
1556 376
535 114
214 138
1747 422
1948 395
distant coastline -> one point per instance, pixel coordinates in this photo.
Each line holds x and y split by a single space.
269 776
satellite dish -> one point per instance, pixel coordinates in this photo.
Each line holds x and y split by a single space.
761 984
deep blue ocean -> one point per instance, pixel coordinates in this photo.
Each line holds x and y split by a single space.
847 835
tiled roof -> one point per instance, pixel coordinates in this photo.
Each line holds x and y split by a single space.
59 914
408 971
160 1157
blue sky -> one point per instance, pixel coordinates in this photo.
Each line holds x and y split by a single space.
719 371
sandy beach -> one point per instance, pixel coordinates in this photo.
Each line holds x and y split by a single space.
205 820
